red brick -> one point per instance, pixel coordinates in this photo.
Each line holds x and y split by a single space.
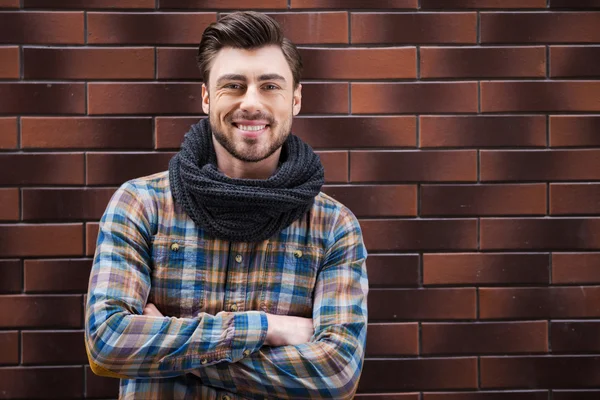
421 234
43 347
8 133
575 394
336 132
41 27
413 166
540 27
9 348
418 374
89 4
414 98
540 303
475 4
574 61
480 62
42 98
9 198
9 63
116 168
575 198
393 339
386 4
575 337
314 28
177 63
575 268
571 130
224 4
378 63
28 311
574 4
325 98
485 269
65 204
41 169
91 237
497 165
336 166
540 233
89 63
539 372
398 270
413 28
377 201
99 386
42 383
512 395
147 28
41 240
11 276
9 3
86 133
169 131
49 275
484 338
387 396
540 96
479 200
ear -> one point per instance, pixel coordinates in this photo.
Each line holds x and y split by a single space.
205 100
297 99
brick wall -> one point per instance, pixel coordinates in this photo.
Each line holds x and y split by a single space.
464 134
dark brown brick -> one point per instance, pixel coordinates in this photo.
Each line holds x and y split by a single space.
177 63
89 4
9 347
9 62
393 270
475 4
116 168
534 165
493 199
27 311
539 234
314 28
9 198
431 234
539 372
548 302
540 27
11 276
574 4
325 98
335 164
422 304
484 338
224 4
378 63
582 268
9 3
413 166
393 339
529 395
482 269
376 200
575 337
89 63
41 27
576 394
42 383
387 396
348 132
91 237
43 347
480 62
86 133
42 98
8 133
147 28
568 130
41 240
540 96
99 386
49 275
574 61
414 98
169 131
574 198
41 169
354 4
413 28
65 204
418 374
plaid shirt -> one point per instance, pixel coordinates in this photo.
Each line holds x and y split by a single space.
214 295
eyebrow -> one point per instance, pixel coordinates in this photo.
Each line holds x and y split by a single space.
242 78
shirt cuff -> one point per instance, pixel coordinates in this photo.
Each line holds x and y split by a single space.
250 333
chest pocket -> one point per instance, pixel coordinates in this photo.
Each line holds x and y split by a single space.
289 279
177 278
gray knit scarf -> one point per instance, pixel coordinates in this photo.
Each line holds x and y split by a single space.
243 210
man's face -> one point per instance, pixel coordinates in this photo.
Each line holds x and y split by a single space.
250 101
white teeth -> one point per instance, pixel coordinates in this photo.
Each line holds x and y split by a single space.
252 128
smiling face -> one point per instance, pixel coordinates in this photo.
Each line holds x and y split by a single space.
250 101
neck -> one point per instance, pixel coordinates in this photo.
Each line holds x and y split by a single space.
238 169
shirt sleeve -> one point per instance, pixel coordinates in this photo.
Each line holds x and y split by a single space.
329 366
120 341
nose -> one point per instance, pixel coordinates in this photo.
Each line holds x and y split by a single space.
251 101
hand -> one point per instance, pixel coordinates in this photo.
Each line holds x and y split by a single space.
286 330
151 311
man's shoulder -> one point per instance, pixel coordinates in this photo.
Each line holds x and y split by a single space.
333 209
148 185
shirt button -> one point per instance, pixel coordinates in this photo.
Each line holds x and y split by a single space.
238 258
233 307
175 247
297 254
225 397
203 361
246 353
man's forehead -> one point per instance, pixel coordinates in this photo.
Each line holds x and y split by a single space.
253 63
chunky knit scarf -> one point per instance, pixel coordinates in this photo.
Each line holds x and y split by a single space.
243 210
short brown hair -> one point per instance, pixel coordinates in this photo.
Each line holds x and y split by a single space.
246 30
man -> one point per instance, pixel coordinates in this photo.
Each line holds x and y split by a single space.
231 275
